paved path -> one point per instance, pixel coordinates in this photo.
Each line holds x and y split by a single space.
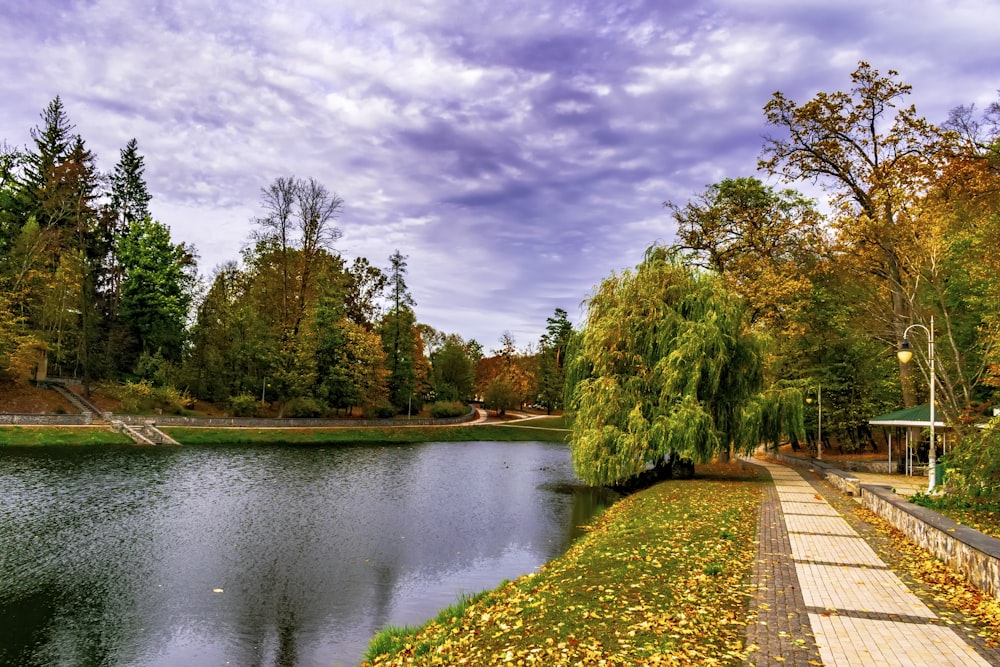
825 597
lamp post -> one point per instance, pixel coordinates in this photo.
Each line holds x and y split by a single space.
905 353
819 421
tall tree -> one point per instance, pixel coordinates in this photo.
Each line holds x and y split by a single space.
232 341
453 374
399 336
760 240
297 233
552 360
667 366
12 216
129 203
506 380
53 142
129 195
366 285
157 288
878 158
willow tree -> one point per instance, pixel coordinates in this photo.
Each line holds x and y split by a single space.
666 365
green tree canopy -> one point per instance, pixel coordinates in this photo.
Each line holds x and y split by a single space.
552 360
666 365
157 288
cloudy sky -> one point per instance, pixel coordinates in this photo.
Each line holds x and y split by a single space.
517 151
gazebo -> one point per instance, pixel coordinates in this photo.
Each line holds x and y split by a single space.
910 419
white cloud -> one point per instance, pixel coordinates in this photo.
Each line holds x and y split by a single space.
517 151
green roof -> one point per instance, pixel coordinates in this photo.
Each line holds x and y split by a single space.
919 415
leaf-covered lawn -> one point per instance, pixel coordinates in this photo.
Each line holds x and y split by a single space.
662 579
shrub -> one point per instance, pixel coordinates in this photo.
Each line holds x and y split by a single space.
134 396
305 406
381 411
142 396
445 409
172 400
243 405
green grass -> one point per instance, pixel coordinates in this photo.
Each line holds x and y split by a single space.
664 573
35 436
392 639
979 514
378 435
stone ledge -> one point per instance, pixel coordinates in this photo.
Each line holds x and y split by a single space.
287 422
967 551
11 419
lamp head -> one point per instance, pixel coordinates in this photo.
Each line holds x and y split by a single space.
905 353
809 399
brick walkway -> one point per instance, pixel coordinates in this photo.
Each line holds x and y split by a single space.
823 596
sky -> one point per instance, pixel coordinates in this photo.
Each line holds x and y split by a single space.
516 151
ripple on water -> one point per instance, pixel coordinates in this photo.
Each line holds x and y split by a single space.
262 555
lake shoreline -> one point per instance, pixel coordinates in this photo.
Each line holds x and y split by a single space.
28 436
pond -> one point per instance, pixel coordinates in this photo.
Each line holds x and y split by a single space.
264 555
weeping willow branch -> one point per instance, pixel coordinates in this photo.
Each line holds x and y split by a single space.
665 364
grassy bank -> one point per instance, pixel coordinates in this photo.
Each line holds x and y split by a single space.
32 436
389 434
662 578
980 514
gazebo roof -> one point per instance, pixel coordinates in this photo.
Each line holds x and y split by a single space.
919 415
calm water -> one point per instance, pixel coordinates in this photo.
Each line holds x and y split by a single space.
263 556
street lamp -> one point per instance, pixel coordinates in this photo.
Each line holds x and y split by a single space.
905 353
819 423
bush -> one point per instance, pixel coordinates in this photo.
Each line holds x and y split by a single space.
305 406
445 409
244 405
142 396
380 411
172 400
134 396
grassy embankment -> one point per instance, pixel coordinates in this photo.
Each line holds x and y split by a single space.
549 429
662 578
32 436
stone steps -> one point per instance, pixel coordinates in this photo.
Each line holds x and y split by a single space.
79 402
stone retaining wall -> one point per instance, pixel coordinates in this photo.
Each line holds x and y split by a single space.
878 467
970 553
46 420
258 422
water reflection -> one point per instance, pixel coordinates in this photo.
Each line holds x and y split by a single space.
263 556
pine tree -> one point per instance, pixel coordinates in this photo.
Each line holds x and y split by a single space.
129 203
399 336
53 142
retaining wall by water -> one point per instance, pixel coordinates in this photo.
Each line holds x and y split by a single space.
970 553
260 422
46 420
